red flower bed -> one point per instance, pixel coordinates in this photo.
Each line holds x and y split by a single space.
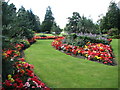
92 51
47 37
32 40
23 77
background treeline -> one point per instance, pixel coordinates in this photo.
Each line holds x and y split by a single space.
17 25
108 24
23 23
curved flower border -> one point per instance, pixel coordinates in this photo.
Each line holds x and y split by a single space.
92 51
23 76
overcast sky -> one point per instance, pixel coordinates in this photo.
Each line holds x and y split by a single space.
64 8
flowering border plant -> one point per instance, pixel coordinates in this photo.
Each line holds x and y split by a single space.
92 51
21 76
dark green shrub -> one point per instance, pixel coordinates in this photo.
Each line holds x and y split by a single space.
113 31
26 43
43 36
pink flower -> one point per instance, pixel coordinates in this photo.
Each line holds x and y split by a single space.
42 84
105 62
27 84
33 87
31 66
21 59
26 65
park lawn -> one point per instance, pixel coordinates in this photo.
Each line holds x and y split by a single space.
44 34
58 70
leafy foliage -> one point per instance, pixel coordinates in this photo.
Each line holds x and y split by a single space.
55 29
111 19
17 25
81 39
77 24
48 21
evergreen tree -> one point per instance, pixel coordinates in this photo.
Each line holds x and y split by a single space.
111 19
79 24
24 23
48 21
8 13
55 29
35 21
73 21
86 25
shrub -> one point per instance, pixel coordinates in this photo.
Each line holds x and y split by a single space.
26 43
113 31
43 36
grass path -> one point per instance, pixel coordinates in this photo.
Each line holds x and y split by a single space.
58 70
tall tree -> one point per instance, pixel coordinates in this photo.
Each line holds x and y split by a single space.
24 23
86 25
73 21
55 29
35 21
77 24
48 20
9 13
112 18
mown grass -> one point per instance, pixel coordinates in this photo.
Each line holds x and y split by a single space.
44 34
58 70
47 34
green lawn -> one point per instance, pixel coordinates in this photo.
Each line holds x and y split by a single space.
58 70
44 34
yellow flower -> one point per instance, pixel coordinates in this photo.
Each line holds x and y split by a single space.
9 76
98 45
86 55
98 57
12 80
86 46
79 51
101 48
4 54
23 62
17 66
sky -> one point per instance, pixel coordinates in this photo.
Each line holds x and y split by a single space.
62 9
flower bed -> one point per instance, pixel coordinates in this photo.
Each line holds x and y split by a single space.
21 76
46 37
92 51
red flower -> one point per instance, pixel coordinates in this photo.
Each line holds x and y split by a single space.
8 83
46 88
15 84
16 76
3 88
18 80
42 84
31 66
21 59
105 62
20 86
9 52
68 53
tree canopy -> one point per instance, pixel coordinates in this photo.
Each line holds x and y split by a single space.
111 19
48 20
77 24
19 24
55 29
